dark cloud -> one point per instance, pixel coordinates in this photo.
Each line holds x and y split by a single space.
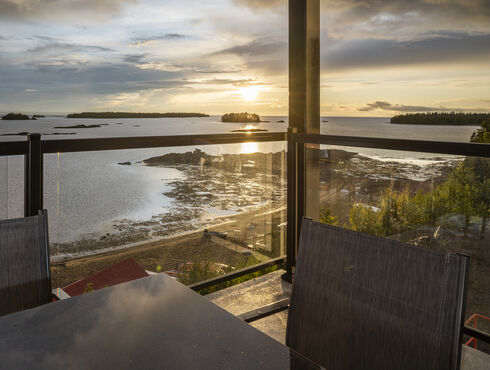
174 36
58 77
345 18
257 47
54 9
67 47
135 58
265 55
383 105
375 53
150 39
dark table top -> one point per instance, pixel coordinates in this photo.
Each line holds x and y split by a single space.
151 323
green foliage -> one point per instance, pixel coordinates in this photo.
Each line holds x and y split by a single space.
482 135
241 117
15 116
134 115
199 271
466 192
365 219
436 118
88 288
239 280
204 270
326 217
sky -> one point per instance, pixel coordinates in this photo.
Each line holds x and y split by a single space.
378 57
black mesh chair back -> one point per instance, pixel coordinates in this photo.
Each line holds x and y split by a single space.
24 263
364 302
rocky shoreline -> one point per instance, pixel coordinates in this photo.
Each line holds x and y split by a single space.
216 189
227 193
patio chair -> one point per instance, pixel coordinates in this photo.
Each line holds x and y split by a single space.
25 280
364 302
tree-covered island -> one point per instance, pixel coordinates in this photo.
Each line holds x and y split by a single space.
134 115
241 118
443 119
15 117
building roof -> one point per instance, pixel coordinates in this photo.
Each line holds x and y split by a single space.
122 272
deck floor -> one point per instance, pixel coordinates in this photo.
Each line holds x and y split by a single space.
254 294
270 288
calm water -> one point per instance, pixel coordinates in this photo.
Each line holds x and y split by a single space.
84 192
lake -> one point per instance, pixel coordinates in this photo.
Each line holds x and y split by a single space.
86 192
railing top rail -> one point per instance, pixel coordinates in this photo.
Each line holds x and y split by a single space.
439 147
100 144
13 148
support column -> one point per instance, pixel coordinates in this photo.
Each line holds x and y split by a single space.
304 116
33 180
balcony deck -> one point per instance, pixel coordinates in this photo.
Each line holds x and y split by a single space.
270 288
254 294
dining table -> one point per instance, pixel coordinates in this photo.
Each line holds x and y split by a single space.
150 323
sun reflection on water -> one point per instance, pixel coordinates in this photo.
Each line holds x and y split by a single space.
247 148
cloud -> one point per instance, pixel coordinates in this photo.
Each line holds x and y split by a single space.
67 47
63 77
135 58
261 4
345 19
385 106
257 47
376 53
152 39
403 19
57 9
228 81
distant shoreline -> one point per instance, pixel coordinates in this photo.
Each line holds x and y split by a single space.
441 119
435 124
112 115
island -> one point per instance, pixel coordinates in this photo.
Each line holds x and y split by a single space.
15 117
249 130
241 118
78 126
443 119
134 115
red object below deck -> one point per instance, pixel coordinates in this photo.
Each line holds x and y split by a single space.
122 272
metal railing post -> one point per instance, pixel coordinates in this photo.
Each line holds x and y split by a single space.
33 178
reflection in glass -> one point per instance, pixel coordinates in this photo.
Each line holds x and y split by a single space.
433 201
11 187
194 213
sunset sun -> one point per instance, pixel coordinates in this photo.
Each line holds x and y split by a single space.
249 93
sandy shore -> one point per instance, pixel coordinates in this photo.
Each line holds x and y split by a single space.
264 231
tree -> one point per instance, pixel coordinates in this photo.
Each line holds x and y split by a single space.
466 192
326 217
482 135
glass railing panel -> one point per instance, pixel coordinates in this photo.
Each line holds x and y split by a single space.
193 212
11 187
433 201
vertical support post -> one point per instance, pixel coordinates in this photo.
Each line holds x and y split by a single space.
304 115
292 206
33 187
